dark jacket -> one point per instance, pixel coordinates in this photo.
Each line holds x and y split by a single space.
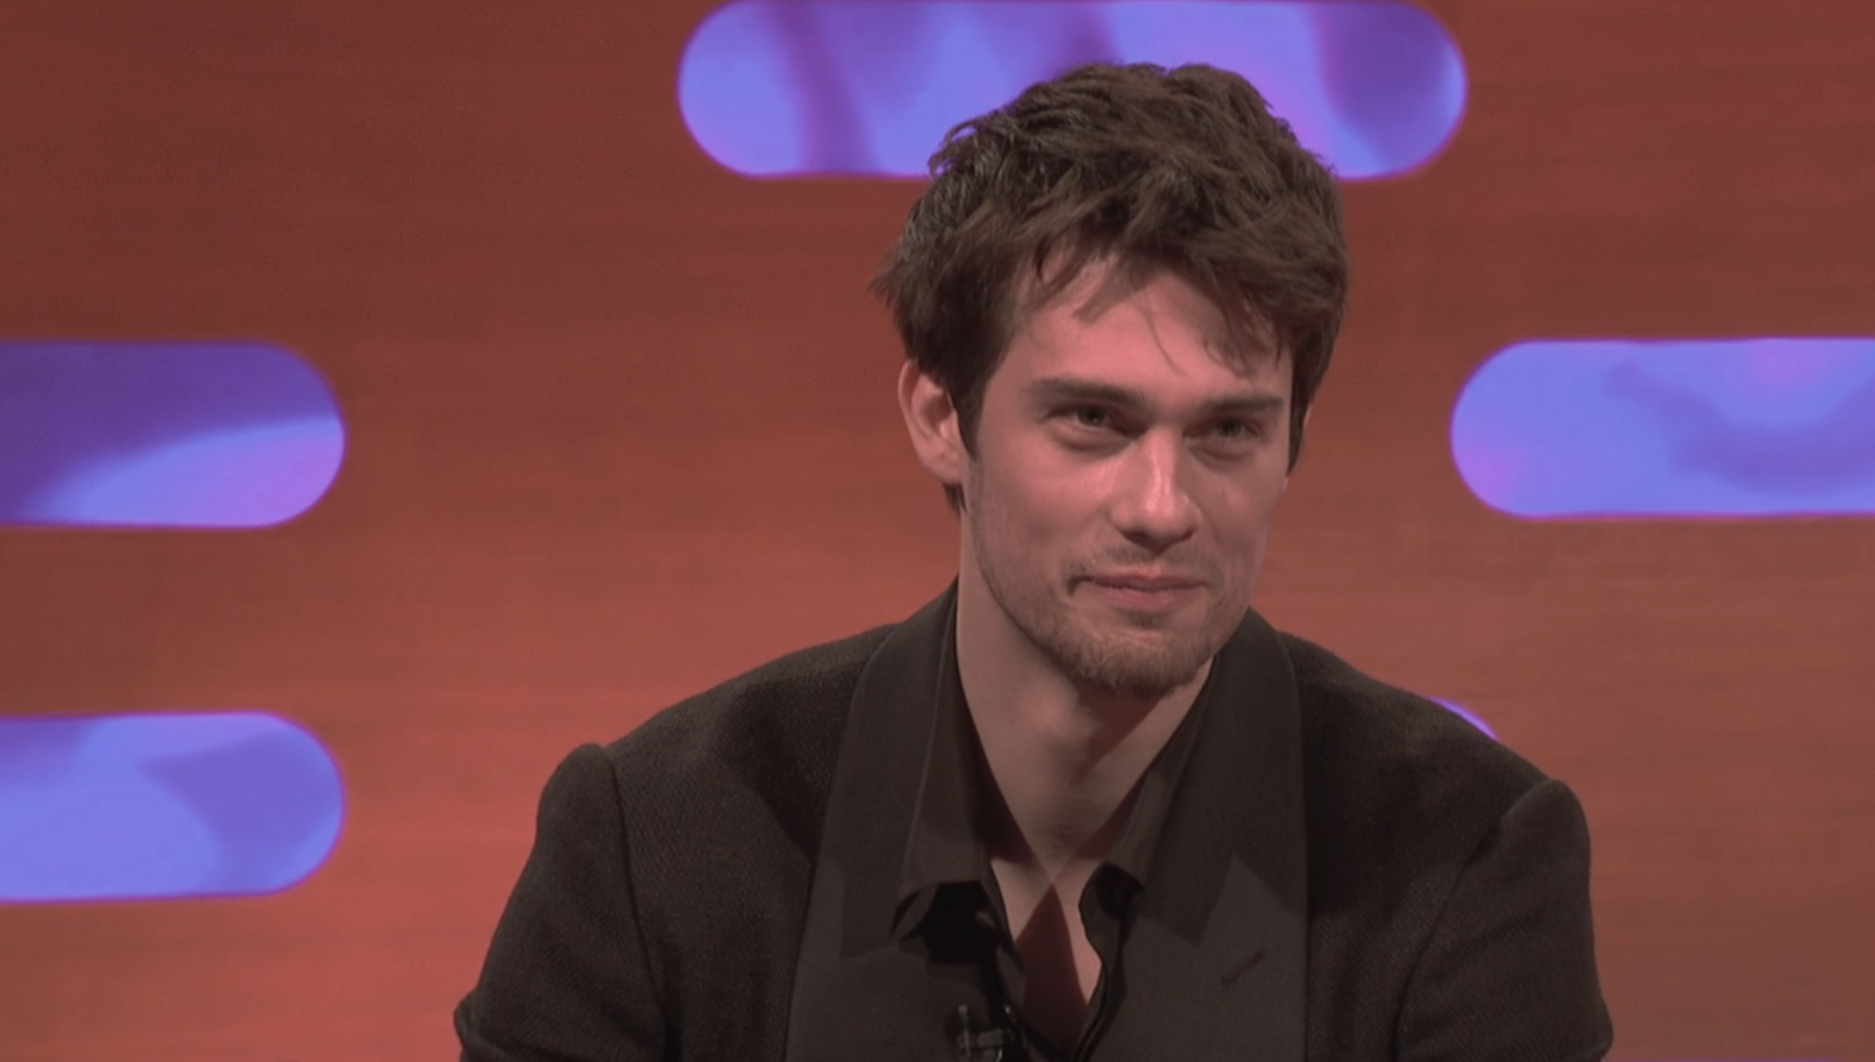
1397 886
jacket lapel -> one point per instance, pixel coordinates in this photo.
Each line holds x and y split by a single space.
847 949
1223 921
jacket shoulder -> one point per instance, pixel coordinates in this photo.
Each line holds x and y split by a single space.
792 708
722 802
755 752
1382 743
1448 880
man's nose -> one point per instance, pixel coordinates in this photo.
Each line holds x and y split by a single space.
1154 506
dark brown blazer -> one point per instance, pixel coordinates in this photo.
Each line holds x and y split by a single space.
1397 886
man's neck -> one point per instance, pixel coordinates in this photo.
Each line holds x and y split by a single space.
1064 758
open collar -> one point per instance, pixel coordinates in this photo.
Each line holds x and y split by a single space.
1222 921
944 843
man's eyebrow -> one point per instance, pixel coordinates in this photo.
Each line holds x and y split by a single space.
1057 390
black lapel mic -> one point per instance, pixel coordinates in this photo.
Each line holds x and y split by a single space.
971 1042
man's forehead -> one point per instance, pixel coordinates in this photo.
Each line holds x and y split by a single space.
1241 335
1146 377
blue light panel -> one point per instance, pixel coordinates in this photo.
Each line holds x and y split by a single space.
774 88
1672 428
162 806
162 434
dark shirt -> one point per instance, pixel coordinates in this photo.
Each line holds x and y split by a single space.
948 975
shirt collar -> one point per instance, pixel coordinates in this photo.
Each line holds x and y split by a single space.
944 845
1222 930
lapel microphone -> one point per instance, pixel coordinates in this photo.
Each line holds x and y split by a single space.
971 1042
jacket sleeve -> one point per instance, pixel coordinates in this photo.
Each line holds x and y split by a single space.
566 978
1508 973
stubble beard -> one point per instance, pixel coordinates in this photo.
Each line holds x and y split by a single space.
1142 660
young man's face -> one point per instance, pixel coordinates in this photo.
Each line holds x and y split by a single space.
1125 475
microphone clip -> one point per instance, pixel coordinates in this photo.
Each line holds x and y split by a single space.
971 1043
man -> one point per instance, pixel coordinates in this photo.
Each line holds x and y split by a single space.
1086 804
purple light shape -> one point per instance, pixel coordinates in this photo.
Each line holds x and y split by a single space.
162 806
248 477
868 87
1671 428
162 434
1467 716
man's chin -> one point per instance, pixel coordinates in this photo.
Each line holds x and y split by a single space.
1138 670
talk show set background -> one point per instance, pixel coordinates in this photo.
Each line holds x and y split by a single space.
396 396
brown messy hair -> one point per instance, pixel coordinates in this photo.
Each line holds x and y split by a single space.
1183 170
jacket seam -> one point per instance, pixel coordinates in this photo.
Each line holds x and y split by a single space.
651 973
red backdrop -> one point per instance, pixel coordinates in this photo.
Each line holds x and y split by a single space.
620 425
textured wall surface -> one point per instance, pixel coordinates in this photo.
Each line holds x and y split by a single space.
618 425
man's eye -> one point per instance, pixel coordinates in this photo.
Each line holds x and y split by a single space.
1091 417
1237 431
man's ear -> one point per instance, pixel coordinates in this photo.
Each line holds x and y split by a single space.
931 420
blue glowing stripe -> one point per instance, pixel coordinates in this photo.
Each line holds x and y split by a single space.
162 434
1672 428
1467 715
807 87
162 806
